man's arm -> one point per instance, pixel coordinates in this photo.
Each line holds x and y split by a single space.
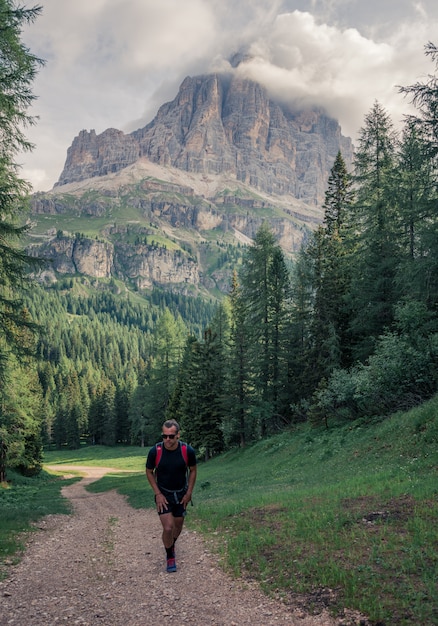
160 500
150 475
191 484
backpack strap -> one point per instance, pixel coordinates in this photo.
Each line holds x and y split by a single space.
159 453
185 453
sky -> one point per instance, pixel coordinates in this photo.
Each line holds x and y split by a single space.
113 63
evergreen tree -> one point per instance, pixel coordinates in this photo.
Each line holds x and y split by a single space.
201 395
124 391
300 345
279 302
328 258
221 329
169 339
181 397
417 197
236 424
108 414
20 420
338 198
264 295
323 347
209 396
424 95
373 291
138 418
72 432
17 71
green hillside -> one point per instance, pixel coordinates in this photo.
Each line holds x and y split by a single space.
339 518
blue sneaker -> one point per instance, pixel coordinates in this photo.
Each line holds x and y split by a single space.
171 565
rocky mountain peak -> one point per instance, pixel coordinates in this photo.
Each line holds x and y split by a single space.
222 124
173 204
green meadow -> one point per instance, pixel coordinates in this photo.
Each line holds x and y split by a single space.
338 517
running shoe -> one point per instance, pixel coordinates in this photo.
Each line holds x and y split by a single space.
171 565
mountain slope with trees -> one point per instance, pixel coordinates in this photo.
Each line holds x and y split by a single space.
348 329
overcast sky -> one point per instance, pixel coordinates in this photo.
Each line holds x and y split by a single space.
112 63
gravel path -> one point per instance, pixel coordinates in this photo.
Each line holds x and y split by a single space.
104 564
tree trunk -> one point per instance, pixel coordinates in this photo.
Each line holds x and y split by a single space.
2 462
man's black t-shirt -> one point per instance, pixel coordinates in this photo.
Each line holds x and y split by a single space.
171 473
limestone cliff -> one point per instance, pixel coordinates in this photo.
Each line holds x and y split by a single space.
71 255
141 265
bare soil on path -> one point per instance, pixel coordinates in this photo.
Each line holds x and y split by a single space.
105 564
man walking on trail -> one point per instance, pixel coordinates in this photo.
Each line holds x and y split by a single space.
171 472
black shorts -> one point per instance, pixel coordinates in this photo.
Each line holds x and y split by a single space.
174 505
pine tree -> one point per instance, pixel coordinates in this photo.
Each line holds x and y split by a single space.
17 71
210 395
417 197
424 95
328 254
183 388
373 291
201 394
264 294
300 378
279 302
124 391
236 423
20 420
138 418
170 334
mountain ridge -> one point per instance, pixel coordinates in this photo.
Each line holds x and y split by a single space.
217 125
203 175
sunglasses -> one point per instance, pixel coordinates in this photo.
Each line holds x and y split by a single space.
168 436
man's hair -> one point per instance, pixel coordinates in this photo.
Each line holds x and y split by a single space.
170 424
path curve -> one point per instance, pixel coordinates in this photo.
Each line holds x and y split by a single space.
104 565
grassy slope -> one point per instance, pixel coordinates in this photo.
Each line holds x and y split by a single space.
341 517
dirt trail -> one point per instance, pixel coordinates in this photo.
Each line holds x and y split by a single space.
104 564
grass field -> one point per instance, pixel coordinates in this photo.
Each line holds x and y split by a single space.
344 517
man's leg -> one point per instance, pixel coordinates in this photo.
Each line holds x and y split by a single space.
167 521
178 523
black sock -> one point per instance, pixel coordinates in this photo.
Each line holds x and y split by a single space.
169 552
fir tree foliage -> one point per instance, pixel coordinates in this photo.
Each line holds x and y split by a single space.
329 256
373 291
264 293
18 69
237 427
424 96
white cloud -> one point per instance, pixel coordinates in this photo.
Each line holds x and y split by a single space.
308 63
112 63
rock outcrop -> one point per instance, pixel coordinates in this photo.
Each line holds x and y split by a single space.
140 265
72 255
